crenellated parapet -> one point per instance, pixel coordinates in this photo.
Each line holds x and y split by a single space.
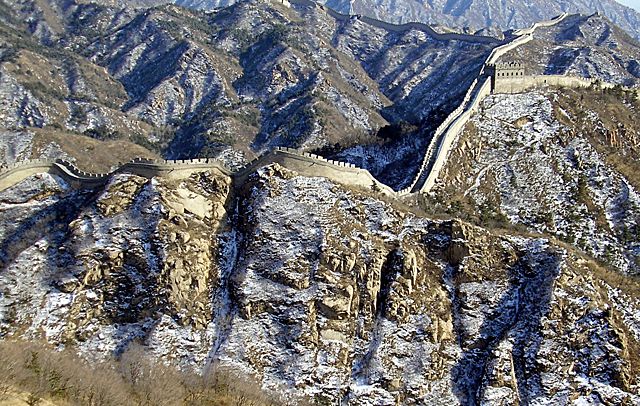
448 36
447 133
315 157
302 162
308 164
520 84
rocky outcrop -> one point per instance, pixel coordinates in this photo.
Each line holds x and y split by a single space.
577 190
317 290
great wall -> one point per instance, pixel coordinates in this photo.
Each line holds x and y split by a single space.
449 36
301 162
434 159
445 135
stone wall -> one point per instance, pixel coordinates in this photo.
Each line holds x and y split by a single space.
304 163
446 135
450 138
548 23
444 139
401 27
521 84
434 149
314 165
18 171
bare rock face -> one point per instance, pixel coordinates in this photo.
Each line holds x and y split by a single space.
558 162
319 291
190 268
144 248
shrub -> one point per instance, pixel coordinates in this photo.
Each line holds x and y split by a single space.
103 133
134 379
396 131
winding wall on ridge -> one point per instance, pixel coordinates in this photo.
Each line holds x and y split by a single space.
448 36
304 163
446 134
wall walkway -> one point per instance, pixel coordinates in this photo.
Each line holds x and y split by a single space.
521 84
304 163
446 134
444 139
452 36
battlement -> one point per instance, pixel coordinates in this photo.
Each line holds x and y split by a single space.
316 157
509 75
508 65
305 163
506 70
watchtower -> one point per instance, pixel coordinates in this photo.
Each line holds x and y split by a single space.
508 70
505 71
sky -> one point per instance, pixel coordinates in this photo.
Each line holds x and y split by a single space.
631 3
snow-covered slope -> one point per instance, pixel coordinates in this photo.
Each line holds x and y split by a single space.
583 46
487 13
560 162
318 291
469 15
233 83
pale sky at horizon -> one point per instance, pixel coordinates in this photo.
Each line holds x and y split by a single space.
631 3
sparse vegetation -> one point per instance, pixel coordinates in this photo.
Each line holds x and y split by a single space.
396 131
103 133
615 135
41 90
133 379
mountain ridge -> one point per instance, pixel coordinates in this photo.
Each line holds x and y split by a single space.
513 281
468 16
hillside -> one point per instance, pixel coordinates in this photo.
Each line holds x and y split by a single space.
237 82
584 46
292 278
477 15
321 291
563 162
488 15
234 83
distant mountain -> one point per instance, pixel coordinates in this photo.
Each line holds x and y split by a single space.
504 14
585 46
474 15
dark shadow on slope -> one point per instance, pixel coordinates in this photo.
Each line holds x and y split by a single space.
46 223
604 37
140 81
560 61
633 67
569 29
130 294
134 294
363 368
457 8
518 314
